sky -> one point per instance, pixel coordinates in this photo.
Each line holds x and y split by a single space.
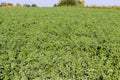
103 2
43 3
48 3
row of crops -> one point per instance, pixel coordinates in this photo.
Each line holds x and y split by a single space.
59 44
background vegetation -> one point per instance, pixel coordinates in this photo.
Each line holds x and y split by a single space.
65 3
10 5
70 3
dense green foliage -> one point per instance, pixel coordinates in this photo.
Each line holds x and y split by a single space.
67 3
59 44
79 3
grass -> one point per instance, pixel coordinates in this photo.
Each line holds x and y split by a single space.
59 44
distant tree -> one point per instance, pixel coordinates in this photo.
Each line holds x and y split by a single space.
3 4
55 5
70 3
9 4
67 3
82 2
33 5
19 5
26 5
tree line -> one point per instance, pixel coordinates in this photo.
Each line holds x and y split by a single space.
61 3
4 4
